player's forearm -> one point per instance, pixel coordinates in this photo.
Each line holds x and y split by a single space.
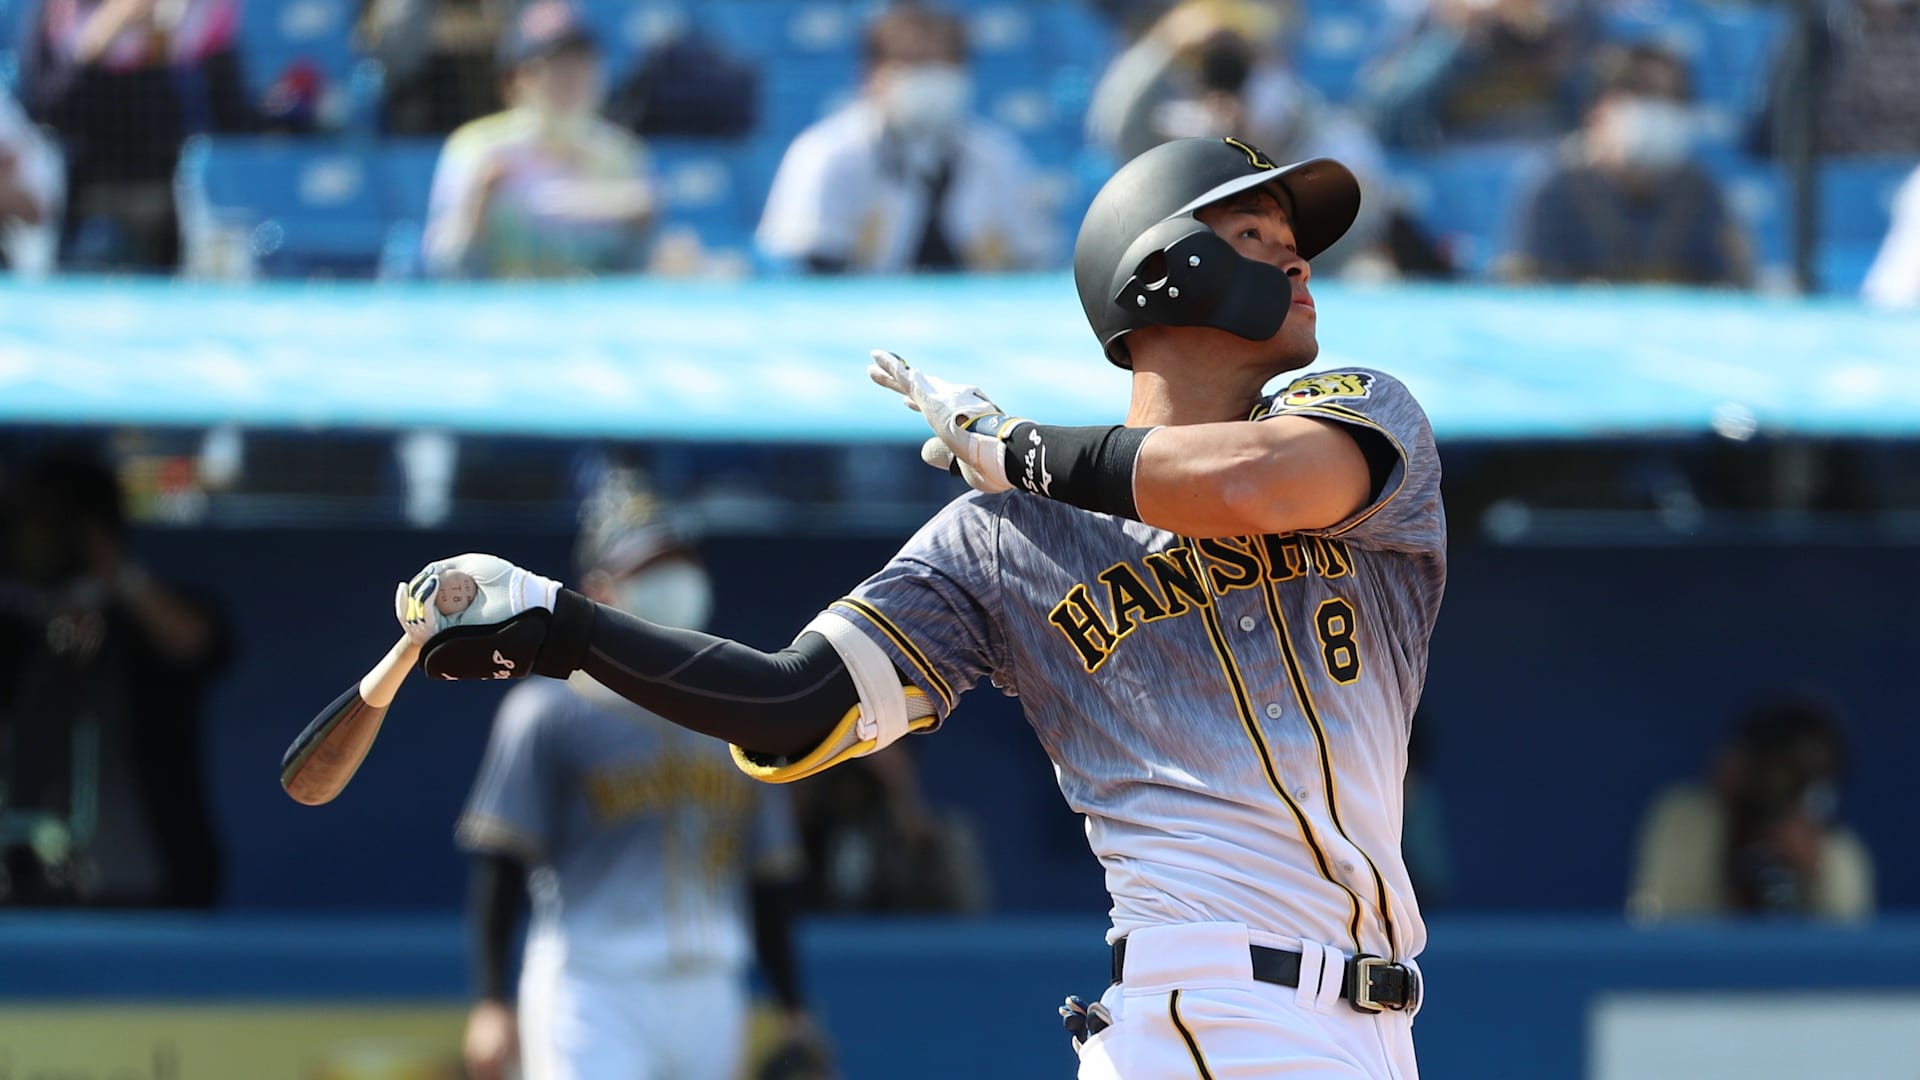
496 898
1249 478
778 704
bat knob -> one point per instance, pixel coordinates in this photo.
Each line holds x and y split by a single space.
457 590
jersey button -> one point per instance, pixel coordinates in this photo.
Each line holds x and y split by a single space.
1246 622
1300 794
1273 711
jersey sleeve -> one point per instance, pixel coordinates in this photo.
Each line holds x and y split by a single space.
508 811
1406 515
930 608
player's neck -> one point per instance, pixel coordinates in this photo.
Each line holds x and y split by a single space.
1192 397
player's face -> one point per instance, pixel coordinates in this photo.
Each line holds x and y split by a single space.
1257 226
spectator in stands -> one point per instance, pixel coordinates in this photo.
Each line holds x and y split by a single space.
1894 279
29 190
905 177
1625 203
440 59
103 669
124 82
1218 68
1762 837
1484 70
1865 58
546 188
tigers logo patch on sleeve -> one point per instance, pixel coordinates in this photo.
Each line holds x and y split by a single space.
1315 389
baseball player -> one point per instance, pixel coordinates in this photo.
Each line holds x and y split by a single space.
636 839
1216 616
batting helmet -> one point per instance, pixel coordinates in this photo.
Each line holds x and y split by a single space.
1143 259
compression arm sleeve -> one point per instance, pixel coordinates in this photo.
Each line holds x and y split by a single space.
496 898
829 696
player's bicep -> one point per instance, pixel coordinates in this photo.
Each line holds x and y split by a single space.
1240 479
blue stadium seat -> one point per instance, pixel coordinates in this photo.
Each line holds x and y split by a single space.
307 206
1469 198
1856 198
1856 207
277 33
406 177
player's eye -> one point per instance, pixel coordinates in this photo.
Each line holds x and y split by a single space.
1250 234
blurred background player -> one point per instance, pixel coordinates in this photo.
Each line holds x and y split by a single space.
1626 202
547 188
1763 837
906 177
642 847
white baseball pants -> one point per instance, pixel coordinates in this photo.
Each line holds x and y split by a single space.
1189 1009
681 1025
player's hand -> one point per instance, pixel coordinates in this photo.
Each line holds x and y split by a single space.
492 1042
967 427
476 616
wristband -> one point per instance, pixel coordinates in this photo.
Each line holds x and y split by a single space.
1088 467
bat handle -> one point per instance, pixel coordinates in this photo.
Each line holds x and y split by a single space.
378 686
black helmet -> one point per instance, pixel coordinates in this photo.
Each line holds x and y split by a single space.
1143 259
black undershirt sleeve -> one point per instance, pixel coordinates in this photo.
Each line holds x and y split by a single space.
1381 458
496 898
774 704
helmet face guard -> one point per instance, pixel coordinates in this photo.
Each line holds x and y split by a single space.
1144 259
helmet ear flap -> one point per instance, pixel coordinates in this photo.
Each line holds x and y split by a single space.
1182 273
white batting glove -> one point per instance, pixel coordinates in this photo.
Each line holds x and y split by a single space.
967 427
468 590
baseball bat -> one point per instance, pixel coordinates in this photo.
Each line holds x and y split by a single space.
325 756
316 768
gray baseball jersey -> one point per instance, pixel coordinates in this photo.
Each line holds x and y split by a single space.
638 834
1231 715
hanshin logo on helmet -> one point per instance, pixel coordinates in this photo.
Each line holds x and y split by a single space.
1254 157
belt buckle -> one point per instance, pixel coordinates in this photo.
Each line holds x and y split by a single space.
1361 996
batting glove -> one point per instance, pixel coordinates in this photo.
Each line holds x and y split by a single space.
468 590
968 429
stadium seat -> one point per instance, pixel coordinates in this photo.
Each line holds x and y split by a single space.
303 206
1856 207
1469 198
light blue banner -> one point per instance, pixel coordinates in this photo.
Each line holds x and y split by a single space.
785 360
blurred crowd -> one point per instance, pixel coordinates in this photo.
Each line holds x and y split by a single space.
544 167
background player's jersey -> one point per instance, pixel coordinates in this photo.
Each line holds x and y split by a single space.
1230 714
638 834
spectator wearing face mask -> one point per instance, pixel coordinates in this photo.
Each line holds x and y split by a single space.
1483 70
1762 837
1625 203
905 178
1213 68
546 188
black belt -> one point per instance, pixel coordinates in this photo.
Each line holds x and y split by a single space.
1369 984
